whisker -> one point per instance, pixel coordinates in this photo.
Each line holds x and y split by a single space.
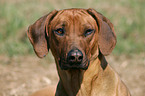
85 60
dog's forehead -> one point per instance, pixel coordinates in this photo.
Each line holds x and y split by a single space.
73 12
71 15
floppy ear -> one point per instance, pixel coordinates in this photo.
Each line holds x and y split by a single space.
38 36
106 36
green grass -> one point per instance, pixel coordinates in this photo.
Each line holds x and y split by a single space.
126 15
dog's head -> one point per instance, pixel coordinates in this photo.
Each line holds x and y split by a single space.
75 36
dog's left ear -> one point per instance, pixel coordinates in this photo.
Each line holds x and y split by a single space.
38 34
107 36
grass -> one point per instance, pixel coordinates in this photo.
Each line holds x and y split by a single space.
126 15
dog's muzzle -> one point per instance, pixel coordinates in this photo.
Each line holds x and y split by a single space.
74 60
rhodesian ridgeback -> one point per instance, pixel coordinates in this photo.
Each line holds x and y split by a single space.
78 39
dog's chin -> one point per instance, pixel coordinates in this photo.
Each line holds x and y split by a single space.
65 66
73 68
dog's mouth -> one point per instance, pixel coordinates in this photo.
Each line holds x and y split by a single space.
65 65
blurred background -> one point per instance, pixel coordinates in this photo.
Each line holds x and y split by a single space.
22 72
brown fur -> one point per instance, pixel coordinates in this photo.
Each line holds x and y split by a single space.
99 79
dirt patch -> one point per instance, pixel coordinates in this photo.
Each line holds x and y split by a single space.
22 75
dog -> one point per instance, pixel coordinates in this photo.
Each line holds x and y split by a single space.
78 39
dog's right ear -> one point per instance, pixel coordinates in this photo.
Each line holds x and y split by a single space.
38 36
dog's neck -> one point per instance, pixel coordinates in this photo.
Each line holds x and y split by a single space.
72 82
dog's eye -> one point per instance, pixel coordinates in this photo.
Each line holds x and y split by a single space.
89 31
59 31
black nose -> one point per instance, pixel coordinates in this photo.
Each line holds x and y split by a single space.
75 57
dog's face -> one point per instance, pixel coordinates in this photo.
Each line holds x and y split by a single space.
70 36
74 36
